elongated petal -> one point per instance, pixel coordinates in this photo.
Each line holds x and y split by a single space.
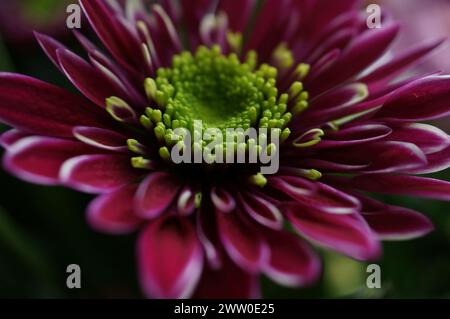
10 137
208 236
120 42
156 194
398 223
98 173
398 64
86 78
113 212
170 258
358 134
244 246
362 51
39 107
428 138
347 234
403 185
50 47
222 200
424 99
261 210
39 159
101 138
324 198
292 262
436 162
230 281
380 157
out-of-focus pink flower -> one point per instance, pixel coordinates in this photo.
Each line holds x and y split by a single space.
423 20
19 18
210 230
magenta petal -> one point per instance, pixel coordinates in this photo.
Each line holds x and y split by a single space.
403 185
364 50
186 201
85 77
50 47
98 173
156 194
10 137
113 212
295 187
222 200
39 107
398 223
424 99
230 281
428 138
292 262
436 162
101 138
261 210
207 234
170 258
244 245
380 156
358 134
322 197
348 234
238 12
399 63
38 159
121 43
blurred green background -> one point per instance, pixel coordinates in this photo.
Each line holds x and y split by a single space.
43 229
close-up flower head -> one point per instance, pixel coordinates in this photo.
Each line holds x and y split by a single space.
241 146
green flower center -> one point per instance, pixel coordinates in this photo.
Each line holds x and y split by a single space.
218 90
221 92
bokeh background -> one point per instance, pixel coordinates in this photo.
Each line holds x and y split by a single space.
43 229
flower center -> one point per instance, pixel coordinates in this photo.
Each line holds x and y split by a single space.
209 91
219 91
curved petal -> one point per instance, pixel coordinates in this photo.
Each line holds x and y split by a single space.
428 138
98 173
50 47
424 99
186 201
380 156
156 194
403 185
261 210
86 78
230 281
38 159
347 234
170 258
324 198
101 138
10 137
222 200
292 262
35 106
113 212
436 162
242 243
358 134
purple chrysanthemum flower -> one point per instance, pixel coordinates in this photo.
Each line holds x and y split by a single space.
305 68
